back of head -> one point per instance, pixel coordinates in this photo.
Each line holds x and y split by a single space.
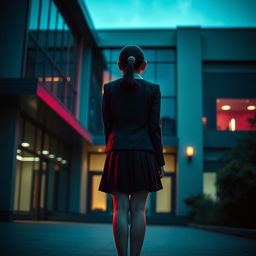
131 57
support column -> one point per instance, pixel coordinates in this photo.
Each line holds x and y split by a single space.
13 29
9 134
75 179
189 114
85 83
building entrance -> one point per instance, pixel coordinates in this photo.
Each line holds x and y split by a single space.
160 204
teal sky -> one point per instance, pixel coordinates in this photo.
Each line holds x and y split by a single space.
107 14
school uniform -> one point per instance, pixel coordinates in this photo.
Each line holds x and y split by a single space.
133 137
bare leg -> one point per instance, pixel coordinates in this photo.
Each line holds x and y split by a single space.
138 221
120 222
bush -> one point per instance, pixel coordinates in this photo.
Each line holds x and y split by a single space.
203 209
236 190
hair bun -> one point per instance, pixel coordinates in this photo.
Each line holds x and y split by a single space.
131 58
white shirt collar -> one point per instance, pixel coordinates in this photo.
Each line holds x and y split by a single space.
137 76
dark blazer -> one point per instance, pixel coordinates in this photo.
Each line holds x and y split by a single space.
131 117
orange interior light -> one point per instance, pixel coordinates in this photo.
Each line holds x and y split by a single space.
190 151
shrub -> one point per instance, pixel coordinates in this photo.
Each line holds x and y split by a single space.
236 189
202 209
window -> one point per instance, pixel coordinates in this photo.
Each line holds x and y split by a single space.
42 171
236 114
209 187
52 52
161 69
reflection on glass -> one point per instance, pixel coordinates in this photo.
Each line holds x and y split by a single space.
149 73
168 108
150 54
165 55
38 141
98 198
115 72
29 135
23 194
163 196
166 79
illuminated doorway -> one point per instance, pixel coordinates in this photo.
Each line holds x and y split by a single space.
159 204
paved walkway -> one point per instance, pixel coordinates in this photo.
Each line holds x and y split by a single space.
77 239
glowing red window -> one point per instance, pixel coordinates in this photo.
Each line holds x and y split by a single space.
236 114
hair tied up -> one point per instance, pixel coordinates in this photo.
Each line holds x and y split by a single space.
131 58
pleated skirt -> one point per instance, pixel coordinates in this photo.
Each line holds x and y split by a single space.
130 171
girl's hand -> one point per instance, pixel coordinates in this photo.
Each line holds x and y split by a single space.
161 171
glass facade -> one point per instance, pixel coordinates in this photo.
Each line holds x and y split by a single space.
96 92
161 69
52 52
42 171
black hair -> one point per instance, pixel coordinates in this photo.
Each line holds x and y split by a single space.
128 80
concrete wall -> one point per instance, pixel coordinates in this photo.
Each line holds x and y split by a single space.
189 114
9 134
13 30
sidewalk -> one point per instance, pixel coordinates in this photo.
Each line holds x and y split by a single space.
48 238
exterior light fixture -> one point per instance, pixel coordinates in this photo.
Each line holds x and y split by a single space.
189 152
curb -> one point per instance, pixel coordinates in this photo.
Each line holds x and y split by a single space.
244 232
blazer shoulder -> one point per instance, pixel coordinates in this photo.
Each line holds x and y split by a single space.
151 84
112 82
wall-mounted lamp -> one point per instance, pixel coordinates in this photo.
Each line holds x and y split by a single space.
189 152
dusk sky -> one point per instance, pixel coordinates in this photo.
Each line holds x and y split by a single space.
170 13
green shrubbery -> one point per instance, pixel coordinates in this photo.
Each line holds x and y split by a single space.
236 190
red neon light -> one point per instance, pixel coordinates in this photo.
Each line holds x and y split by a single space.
58 107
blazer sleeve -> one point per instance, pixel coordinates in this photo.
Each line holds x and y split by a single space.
106 113
155 125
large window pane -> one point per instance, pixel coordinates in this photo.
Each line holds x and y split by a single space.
169 163
97 162
99 199
149 72
150 54
114 71
209 187
163 196
165 55
168 108
166 79
235 114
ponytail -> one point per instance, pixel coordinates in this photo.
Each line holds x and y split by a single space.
131 58
128 80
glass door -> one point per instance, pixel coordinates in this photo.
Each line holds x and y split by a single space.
98 203
159 204
39 190
164 199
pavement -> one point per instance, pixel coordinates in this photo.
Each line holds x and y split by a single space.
54 238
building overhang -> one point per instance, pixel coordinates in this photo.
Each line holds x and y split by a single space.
31 86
